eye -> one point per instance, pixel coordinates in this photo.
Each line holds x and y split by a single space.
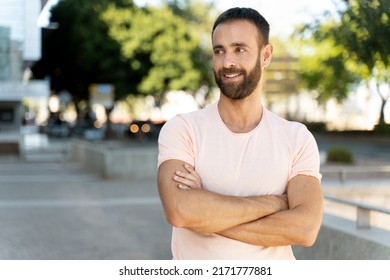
218 51
240 49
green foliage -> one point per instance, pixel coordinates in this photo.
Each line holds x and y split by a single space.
382 129
146 50
316 126
364 32
358 48
80 52
150 39
161 45
324 69
339 154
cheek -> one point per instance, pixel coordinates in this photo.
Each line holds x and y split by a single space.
247 61
217 62
217 66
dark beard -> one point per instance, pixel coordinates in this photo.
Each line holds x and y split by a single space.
242 89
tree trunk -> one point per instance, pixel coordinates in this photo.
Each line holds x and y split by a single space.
383 105
382 113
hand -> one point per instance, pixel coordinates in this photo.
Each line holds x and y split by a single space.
189 179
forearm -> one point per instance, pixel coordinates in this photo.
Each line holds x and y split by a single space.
201 210
208 212
299 225
279 229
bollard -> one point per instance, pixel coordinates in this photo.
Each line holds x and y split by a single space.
342 175
363 218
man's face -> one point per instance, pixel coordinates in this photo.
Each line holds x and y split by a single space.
237 59
241 88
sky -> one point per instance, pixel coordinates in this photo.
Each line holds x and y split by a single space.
282 15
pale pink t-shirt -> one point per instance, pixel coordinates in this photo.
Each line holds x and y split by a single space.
259 162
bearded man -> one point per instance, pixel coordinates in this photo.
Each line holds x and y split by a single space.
237 181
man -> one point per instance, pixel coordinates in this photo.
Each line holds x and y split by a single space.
235 180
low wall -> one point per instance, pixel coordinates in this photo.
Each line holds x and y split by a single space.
114 161
340 239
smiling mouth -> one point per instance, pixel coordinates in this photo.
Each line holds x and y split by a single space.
231 75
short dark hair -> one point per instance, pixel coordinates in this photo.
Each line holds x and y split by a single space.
248 14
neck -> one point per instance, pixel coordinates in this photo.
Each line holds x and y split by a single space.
241 116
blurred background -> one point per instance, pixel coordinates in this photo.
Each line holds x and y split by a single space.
85 87
77 67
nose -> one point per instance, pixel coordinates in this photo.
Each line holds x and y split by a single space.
229 61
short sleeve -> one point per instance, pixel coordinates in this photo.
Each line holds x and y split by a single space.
175 141
307 158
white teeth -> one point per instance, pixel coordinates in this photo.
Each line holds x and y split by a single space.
231 75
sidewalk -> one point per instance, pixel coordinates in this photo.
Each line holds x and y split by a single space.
54 209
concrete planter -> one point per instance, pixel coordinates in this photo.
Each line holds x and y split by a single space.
116 161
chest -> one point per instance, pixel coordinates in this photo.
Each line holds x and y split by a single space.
250 165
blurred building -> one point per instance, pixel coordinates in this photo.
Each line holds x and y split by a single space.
20 47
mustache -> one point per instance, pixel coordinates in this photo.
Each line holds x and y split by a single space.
229 71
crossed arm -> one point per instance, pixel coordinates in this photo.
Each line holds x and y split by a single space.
260 220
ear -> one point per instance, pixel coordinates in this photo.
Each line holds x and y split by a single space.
267 55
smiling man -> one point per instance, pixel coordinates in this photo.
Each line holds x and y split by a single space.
236 181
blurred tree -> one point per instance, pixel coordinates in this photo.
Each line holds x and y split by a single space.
360 40
163 45
200 16
324 68
364 32
79 52
147 50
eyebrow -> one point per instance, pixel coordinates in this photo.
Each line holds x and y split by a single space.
234 44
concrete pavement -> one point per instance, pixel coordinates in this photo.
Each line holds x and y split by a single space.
52 208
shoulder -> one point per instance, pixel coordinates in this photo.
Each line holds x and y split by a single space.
281 122
290 129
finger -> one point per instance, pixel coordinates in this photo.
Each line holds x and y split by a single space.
185 181
190 169
193 176
192 172
183 187
185 175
